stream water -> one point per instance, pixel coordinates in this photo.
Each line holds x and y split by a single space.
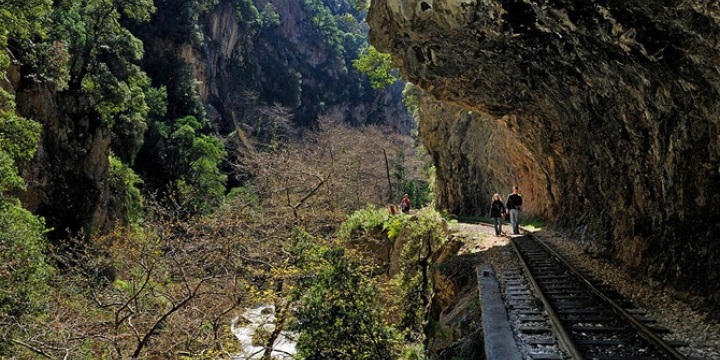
261 317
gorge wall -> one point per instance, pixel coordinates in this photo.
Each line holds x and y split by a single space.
605 113
291 62
228 65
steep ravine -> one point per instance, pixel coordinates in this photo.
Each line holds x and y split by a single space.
290 64
228 55
605 113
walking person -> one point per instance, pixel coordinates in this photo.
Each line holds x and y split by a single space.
405 204
497 212
514 205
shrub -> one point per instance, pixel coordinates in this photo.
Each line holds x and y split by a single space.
376 66
362 221
124 184
394 225
24 269
338 314
194 159
425 236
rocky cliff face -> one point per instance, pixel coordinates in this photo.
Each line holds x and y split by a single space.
605 113
290 64
230 51
477 156
67 178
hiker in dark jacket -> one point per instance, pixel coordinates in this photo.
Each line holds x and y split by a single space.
497 213
514 206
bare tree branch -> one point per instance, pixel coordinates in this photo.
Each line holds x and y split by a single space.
31 348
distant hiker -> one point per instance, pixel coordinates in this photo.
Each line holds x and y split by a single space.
514 205
393 210
405 204
497 212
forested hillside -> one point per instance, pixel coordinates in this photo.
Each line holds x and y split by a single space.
124 88
163 161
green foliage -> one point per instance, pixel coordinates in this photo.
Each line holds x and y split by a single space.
325 23
411 98
181 157
42 59
269 16
254 19
103 65
156 100
124 184
96 39
337 25
362 221
362 5
45 61
394 225
112 98
338 314
194 159
18 142
426 235
414 352
249 14
20 19
24 269
376 66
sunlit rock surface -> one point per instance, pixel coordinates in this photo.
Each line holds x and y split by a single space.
605 114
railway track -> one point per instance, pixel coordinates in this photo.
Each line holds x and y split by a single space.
564 314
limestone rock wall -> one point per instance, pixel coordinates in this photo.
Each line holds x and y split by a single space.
289 64
615 103
66 181
477 156
226 52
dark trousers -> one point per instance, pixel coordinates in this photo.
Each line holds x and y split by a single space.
497 224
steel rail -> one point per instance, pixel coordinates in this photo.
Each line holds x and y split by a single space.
564 337
643 330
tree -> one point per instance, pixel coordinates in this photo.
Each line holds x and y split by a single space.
124 184
103 66
338 314
376 66
426 235
336 167
169 287
24 269
193 159
20 19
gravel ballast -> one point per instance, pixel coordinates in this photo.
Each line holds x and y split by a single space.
688 324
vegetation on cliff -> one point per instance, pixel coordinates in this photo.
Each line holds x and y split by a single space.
156 159
172 285
25 268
